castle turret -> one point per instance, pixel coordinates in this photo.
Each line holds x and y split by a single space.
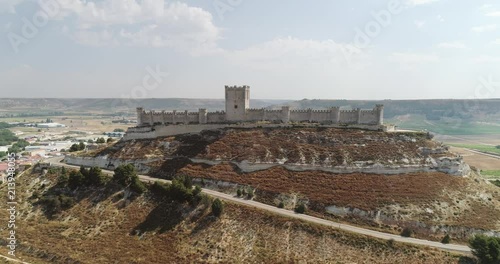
237 102
285 114
380 114
202 116
335 114
140 111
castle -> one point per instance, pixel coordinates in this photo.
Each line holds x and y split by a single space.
238 110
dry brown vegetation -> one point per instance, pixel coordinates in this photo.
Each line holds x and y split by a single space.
452 200
319 146
325 146
108 226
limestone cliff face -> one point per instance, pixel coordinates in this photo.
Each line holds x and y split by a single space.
298 149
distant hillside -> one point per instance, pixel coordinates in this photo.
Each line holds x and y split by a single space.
18 106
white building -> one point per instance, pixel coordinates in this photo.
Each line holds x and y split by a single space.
50 125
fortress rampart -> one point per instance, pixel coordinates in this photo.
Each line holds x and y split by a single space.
238 111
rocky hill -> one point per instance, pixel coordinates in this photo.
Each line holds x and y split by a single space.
384 180
112 224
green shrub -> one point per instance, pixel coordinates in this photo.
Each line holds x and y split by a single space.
300 208
125 174
53 170
486 249
446 239
66 201
407 232
179 192
160 188
391 243
63 179
76 179
238 193
217 207
281 205
137 186
196 190
55 204
250 193
95 176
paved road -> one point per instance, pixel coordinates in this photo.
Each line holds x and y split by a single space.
482 153
13 260
448 247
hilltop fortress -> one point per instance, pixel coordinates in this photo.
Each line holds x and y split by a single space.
152 124
238 110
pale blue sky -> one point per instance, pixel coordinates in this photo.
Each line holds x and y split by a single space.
282 49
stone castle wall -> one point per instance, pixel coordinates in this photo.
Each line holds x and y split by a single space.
237 111
333 116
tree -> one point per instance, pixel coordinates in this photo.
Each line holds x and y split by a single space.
76 179
74 148
179 192
250 193
197 190
217 207
281 205
109 140
446 239
90 141
96 177
407 232
81 146
300 208
125 174
3 154
486 249
63 179
100 140
238 193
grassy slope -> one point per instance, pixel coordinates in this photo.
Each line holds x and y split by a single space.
103 228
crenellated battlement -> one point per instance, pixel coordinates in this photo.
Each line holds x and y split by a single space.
236 87
238 111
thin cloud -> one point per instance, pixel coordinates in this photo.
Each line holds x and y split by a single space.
452 45
485 28
420 2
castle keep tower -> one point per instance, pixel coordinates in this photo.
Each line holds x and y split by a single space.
237 102
140 111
